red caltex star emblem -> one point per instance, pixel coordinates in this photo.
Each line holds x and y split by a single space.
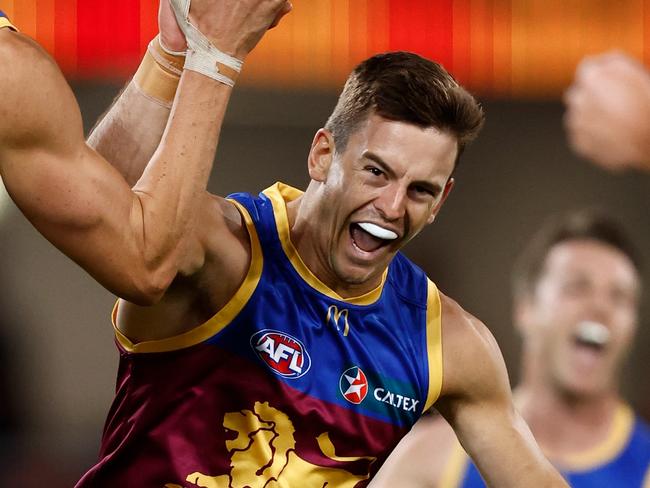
353 385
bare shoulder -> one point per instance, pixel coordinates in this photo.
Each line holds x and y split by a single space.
464 332
421 457
24 56
37 106
473 362
14 46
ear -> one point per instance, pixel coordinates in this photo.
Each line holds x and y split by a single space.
445 193
522 309
321 155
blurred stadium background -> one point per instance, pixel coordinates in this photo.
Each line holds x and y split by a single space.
57 358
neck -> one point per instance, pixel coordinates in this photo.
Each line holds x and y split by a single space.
307 231
565 425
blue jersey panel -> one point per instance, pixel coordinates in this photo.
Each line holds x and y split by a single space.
627 469
371 358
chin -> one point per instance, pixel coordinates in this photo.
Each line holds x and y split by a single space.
581 389
355 275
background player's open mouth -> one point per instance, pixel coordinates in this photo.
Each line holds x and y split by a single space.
592 335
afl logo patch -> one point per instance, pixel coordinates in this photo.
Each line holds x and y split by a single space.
284 354
353 385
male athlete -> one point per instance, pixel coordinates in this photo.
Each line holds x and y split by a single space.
271 340
576 291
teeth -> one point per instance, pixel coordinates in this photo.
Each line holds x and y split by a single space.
379 232
593 332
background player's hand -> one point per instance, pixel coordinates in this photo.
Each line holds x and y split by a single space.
171 35
236 26
608 112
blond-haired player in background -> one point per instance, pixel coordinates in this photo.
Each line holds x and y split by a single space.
576 303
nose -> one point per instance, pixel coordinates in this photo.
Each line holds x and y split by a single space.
600 305
391 202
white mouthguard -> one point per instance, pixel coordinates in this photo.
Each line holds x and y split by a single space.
593 332
379 232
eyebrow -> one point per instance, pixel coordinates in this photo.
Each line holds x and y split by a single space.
375 158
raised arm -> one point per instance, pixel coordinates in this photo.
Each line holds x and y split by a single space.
129 132
477 402
136 241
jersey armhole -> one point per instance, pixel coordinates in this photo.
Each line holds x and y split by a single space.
219 320
434 344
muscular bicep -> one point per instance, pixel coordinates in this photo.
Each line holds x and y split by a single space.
70 193
75 201
37 107
477 402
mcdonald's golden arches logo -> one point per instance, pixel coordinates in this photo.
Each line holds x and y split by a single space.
336 317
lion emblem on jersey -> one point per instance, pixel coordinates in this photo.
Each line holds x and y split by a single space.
263 456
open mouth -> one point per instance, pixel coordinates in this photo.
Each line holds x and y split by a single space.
592 335
370 237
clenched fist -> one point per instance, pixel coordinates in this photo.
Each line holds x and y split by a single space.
608 112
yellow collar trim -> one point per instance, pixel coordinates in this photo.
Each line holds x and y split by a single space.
280 194
607 450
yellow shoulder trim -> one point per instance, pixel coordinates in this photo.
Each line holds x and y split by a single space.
454 471
5 23
434 343
218 321
280 194
607 450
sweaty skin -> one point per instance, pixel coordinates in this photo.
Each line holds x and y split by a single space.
176 254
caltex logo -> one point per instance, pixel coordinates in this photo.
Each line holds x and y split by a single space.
353 385
284 354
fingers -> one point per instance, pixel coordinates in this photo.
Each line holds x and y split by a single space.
612 65
171 36
286 8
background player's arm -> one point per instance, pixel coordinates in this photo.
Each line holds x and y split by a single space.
129 132
477 402
410 464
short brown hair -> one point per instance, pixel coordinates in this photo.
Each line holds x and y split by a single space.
405 87
586 224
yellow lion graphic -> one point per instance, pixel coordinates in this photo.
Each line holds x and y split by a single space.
263 456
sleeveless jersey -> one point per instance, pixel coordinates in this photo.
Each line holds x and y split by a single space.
289 385
5 22
621 461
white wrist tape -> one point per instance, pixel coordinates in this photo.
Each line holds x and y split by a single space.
202 56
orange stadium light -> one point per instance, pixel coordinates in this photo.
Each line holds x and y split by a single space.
501 48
